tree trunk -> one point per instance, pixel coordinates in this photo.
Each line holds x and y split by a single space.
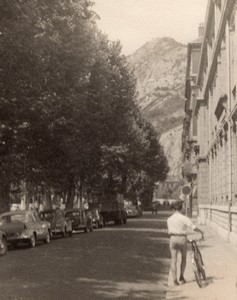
70 198
81 193
48 200
71 192
4 198
124 183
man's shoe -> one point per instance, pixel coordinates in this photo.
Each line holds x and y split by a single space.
182 280
176 282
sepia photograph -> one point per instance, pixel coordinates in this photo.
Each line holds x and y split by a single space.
118 150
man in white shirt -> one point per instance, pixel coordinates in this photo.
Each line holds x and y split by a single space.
177 228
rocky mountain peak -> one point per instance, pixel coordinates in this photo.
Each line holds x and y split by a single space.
160 45
159 67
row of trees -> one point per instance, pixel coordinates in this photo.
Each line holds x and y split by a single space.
68 119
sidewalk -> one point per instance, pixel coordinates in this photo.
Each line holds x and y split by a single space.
220 259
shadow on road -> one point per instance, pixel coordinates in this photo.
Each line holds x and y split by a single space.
117 262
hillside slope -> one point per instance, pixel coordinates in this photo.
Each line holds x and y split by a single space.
159 67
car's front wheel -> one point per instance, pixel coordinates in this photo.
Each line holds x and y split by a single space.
47 238
32 241
3 246
101 224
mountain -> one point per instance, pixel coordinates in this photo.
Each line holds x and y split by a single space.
159 67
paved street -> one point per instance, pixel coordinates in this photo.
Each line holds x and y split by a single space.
118 262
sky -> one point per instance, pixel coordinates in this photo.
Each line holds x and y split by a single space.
135 22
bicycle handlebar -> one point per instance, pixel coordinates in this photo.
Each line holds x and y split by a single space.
196 240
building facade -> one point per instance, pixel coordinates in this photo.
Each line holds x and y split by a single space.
215 111
189 135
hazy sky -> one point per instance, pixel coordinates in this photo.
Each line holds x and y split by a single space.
135 22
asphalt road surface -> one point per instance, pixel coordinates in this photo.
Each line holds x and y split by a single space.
117 262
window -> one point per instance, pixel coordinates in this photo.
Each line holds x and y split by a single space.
234 92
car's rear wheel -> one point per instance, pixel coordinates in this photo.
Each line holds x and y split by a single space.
64 232
14 244
32 241
47 239
3 246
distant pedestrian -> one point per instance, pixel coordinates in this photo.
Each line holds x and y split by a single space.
177 228
154 208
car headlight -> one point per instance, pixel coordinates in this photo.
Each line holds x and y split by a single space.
24 234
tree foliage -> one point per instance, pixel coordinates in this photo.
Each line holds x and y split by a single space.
68 118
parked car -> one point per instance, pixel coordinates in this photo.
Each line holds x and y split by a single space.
97 219
24 226
59 223
133 211
3 243
79 219
112 208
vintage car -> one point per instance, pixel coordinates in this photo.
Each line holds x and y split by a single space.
133 211
59 224
80 220
24 226
3 243
97 219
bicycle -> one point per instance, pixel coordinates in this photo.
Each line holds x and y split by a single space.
197 263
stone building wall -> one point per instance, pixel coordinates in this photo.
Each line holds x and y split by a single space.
216 111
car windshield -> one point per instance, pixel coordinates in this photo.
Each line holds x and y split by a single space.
47 216
72 214
13 218
95 213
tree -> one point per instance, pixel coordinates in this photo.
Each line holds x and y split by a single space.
67 105
45 55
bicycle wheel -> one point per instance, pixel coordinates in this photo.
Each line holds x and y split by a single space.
204 277
199 263
197 273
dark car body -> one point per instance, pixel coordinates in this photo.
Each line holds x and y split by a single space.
79 219
3 243
59 224
111 206
24 226
97 219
